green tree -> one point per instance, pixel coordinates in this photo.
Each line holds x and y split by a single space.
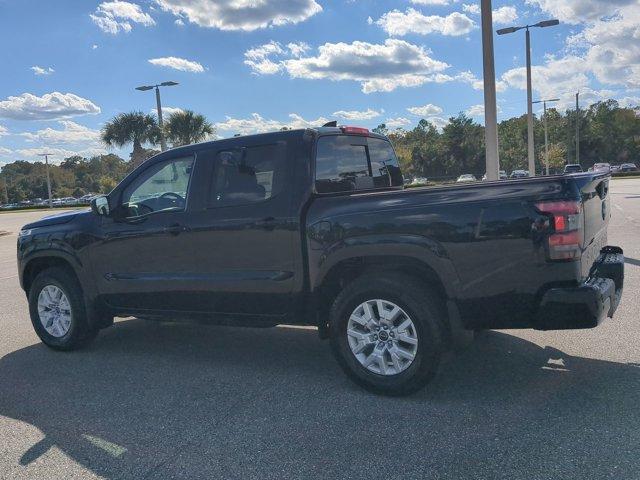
135 128
185 127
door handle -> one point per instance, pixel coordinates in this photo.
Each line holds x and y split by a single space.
268 223
174 229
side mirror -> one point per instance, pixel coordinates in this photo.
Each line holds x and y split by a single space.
100 205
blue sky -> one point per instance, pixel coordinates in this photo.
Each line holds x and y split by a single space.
251 66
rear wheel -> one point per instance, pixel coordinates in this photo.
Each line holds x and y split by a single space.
57 310
386 333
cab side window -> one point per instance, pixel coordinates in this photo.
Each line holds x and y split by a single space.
161 187
247 175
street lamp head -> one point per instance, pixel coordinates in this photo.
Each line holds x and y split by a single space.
168 84
144 88
504 31
546 23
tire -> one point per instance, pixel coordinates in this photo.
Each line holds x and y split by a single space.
67 328
416 302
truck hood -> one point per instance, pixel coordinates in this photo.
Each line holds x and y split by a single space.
57 219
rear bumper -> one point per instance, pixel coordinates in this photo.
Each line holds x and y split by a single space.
587 305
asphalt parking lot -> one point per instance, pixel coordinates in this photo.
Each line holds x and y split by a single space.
149 400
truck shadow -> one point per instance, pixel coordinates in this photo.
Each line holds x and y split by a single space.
161 399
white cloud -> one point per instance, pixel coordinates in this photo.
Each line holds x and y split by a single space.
439 122
258 58
578 11
179 22
42 70
50 106
397 23
177 63
430 2
629 102
57 154
555 77
505 15
478 83
71 133
118 16
3 131
478 110
397 122
613 52
94 46
378 67
426 110
298 49
475 110
257 124
472 8
367 114
245 15
166 111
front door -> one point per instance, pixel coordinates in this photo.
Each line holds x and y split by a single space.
144 257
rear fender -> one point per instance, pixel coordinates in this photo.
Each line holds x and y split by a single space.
415 248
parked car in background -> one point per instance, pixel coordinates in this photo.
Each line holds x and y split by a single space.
420 181
628 167
466 177
573 168
502 175
86 199
519 174
602 167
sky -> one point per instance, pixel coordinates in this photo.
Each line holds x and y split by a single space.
69 66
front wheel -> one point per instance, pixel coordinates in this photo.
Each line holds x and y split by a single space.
386 333
57 310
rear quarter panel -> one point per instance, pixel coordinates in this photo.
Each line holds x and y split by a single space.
478 238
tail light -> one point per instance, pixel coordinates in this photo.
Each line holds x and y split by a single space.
355 130
566 233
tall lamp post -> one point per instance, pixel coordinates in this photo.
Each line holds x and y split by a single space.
46 162
530 145
546 134
144 88
578 128
490 111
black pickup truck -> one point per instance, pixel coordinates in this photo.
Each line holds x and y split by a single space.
314 227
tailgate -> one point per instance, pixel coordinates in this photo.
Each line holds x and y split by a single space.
594 190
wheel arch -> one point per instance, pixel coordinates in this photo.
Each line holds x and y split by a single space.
39 263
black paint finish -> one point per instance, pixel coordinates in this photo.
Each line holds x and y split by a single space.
267 262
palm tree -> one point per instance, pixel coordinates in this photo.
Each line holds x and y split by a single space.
185 127
134 127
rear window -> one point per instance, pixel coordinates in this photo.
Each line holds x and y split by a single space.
348 162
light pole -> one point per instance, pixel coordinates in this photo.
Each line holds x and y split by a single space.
546 134
46 162
490 111
578 128
530 145
144 88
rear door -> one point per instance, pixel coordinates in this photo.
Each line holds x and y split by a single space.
243 234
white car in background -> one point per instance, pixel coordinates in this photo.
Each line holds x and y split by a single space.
466 177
